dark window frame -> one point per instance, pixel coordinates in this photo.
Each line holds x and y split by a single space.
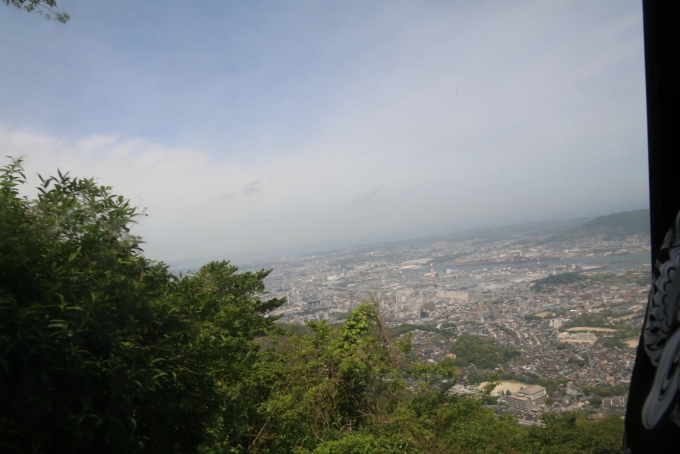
662 70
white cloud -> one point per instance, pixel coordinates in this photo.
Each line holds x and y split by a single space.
413 119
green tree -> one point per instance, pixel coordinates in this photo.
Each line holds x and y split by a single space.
333 383
619 389
45 8
572 433
614 342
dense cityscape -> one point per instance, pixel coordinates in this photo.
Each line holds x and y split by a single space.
570 302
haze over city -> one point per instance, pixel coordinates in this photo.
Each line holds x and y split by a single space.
251 130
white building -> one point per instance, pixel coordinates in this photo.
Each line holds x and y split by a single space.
555 323
534 392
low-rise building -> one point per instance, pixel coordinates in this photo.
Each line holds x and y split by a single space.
615 401
519 403
534 392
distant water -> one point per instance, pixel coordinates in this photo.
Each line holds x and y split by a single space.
609 263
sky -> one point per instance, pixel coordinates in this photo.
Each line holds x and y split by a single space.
251 130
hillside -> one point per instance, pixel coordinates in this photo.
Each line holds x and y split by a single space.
611 226
517 231
557 279
568 278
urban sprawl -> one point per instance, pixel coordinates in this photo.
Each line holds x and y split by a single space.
572 310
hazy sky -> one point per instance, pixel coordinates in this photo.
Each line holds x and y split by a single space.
250 129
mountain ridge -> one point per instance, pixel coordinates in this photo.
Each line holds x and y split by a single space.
613 225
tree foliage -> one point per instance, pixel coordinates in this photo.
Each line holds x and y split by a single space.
619 389
595 319
482 353
643 280
614 342
45 8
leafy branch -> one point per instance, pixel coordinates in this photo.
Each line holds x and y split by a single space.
46 8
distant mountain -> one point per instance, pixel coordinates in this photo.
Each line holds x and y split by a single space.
517 231
611 226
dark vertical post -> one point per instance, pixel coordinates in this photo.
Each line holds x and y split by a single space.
662 69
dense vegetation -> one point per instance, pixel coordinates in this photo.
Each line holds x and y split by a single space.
556 279
549 282
605 319
643 280
601 319
481 352
614 342
103 350
619 389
